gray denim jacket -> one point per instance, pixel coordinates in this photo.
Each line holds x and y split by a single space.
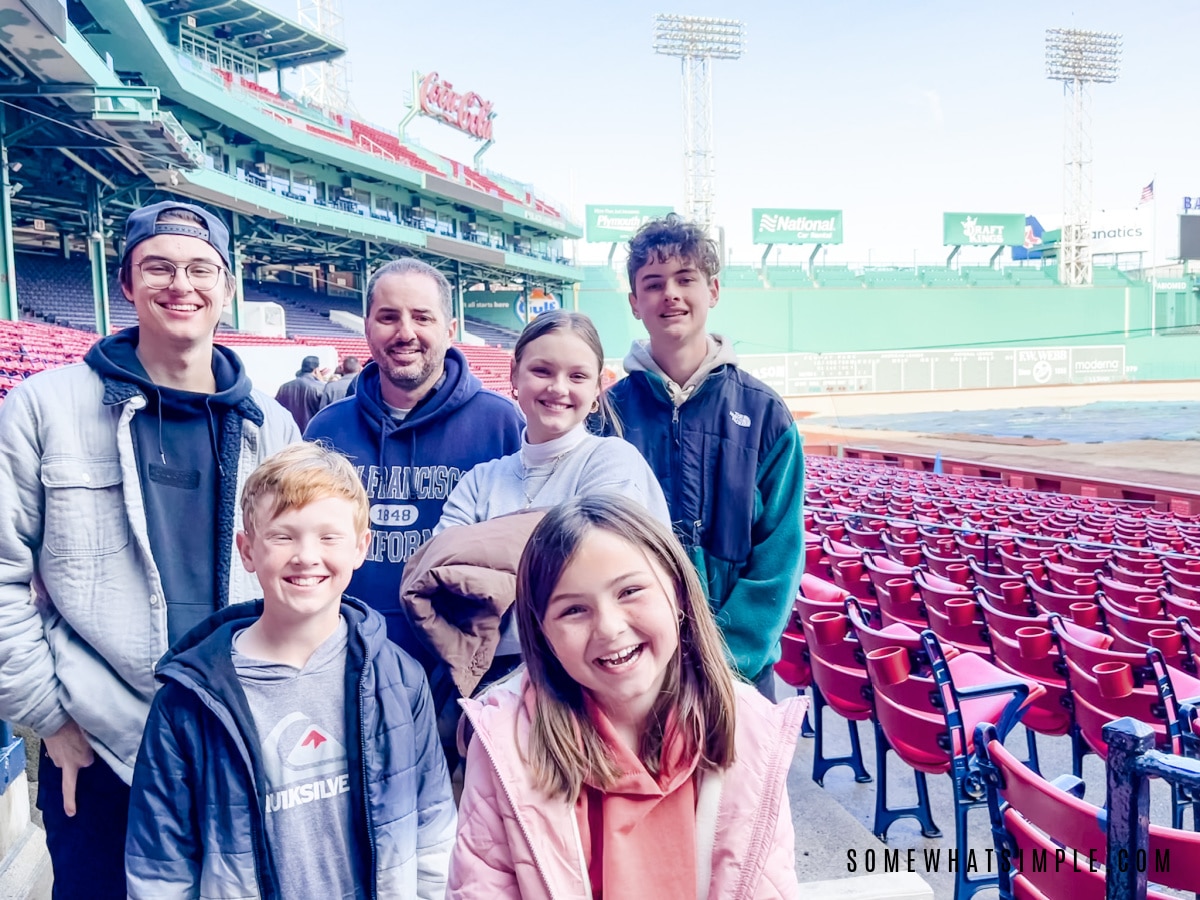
82 617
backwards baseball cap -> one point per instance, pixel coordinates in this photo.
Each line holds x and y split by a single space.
144 223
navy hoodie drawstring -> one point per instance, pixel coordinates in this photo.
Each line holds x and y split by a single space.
212 436
162 447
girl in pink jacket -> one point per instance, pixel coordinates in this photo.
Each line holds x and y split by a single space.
626 762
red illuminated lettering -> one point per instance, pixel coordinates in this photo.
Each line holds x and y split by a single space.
467 112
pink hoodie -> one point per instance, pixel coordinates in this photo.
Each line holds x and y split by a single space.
515 842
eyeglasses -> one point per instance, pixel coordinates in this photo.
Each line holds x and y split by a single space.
159 273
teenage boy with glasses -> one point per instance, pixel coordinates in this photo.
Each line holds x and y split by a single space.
119 486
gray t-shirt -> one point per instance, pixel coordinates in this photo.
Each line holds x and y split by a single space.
300 716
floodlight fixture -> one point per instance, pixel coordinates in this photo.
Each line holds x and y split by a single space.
1073 54
696 41
1079 58
699 37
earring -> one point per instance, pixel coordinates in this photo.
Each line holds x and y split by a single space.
514 393
595 406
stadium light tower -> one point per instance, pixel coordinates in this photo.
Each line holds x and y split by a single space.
326 84
697 41
1078 59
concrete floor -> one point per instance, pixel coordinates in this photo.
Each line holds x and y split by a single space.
835 820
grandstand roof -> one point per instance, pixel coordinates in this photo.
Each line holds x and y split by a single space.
270 36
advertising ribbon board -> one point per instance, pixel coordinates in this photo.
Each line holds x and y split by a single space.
1006 229
614 224
796 226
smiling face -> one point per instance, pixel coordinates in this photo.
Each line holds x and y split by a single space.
672 299
178 315
409 334
557 383
612 623
304 557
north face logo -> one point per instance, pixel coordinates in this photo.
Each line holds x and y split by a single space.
740 418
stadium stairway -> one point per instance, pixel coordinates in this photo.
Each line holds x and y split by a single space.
493 335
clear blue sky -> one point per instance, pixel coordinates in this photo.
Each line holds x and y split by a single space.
892 111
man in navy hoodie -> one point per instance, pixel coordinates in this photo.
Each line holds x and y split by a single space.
419 421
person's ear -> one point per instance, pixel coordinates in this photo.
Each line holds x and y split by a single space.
243 545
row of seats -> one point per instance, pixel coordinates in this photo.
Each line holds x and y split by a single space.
933 604
27 348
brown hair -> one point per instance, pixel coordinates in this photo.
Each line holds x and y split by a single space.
583 327
661 239
564 746
296 476
411 266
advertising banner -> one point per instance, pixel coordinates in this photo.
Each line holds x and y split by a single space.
1121 230
614 224
796 226
1032 248
1006 229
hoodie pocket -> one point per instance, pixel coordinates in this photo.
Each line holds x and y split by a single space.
85 509
728 481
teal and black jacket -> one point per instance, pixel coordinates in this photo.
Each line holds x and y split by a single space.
731 464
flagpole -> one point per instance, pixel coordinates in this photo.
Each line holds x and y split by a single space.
1154 228
1153 255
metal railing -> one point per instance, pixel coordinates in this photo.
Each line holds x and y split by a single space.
1132 762
12 756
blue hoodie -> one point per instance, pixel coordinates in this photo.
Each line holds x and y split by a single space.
187 446
409 469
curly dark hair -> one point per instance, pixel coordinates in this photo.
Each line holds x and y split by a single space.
671 236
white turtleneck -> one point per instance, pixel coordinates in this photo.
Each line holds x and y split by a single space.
546 474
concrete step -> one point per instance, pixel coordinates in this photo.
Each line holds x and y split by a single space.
900 886
25 872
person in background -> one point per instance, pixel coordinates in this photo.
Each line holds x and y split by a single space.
722 443
627 761
302 395
339 388
119 486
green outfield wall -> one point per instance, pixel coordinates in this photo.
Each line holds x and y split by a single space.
826 320
860 320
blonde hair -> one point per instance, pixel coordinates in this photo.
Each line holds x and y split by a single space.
564 747
298 475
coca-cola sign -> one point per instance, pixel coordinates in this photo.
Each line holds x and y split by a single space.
467 112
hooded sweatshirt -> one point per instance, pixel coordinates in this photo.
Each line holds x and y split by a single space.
177 440
409 467
730 461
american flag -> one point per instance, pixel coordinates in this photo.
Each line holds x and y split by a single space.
1147 194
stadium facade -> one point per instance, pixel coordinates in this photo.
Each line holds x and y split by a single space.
108 104
123 102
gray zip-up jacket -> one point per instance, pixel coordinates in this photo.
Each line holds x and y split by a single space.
82 616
